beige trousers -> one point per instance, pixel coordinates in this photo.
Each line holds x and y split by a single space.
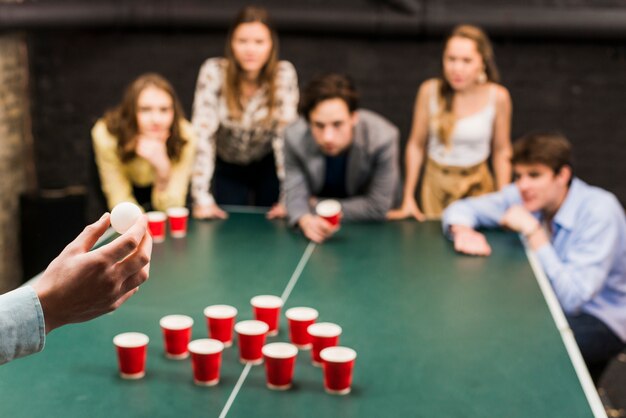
443 185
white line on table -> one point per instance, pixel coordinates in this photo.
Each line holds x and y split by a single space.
296 274
235 391
290 285
567 335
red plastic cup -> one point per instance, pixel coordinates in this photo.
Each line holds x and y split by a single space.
251 339
206 360
176 334
220 321
299 320
330 210
323 334
267 309
156 225
131 354
338 366
178 221
280 361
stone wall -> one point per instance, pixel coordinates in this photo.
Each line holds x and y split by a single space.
13 125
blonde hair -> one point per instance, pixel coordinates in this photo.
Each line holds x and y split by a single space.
444 119
234 73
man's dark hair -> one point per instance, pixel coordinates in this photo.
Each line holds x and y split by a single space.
325 87
551 149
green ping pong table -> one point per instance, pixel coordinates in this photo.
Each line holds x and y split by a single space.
437 333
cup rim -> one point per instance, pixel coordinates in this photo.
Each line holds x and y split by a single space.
251 327
176 322
328 208
338 354
156 216
177 212
205 346
131 340
266 302
220 311
302 313
324 329
280 350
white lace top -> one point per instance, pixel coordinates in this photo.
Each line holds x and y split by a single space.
238 141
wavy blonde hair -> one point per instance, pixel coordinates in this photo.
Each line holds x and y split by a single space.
444 120
234 73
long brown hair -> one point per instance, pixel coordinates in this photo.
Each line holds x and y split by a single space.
234 73
444 119
121 121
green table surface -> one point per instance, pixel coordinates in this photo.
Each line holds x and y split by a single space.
437 333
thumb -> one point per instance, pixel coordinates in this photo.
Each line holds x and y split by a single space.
92 233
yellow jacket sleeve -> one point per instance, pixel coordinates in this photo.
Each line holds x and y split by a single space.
175 193
114 180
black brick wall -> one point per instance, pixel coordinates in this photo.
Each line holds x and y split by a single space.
577 87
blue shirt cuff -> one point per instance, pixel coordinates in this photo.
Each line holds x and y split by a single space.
22 326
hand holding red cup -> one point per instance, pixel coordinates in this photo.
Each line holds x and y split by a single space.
330 210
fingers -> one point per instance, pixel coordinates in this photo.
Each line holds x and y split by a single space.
472 244
219 213
86 240
127 243
419 215
124 298
135 280
396 214
136 262
314 236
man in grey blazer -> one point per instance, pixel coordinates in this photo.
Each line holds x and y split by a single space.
336 151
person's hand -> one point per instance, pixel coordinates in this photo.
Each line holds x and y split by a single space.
315 228
278 211
211 211
409 208
154 150
80 285
469 241
517 218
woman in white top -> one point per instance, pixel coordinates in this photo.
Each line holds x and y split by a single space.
242 104
459 120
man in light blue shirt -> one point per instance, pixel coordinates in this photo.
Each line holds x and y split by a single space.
577 231
77 286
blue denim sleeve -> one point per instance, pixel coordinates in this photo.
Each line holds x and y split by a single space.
22 327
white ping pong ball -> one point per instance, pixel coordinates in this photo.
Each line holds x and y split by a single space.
124 215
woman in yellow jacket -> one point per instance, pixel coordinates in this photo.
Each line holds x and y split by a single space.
145 147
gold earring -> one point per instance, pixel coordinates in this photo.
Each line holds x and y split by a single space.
482 78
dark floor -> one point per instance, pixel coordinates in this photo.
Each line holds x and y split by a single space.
612 387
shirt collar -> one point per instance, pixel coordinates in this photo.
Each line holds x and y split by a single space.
566 215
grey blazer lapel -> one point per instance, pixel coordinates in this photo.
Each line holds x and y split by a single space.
357 158
315 163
